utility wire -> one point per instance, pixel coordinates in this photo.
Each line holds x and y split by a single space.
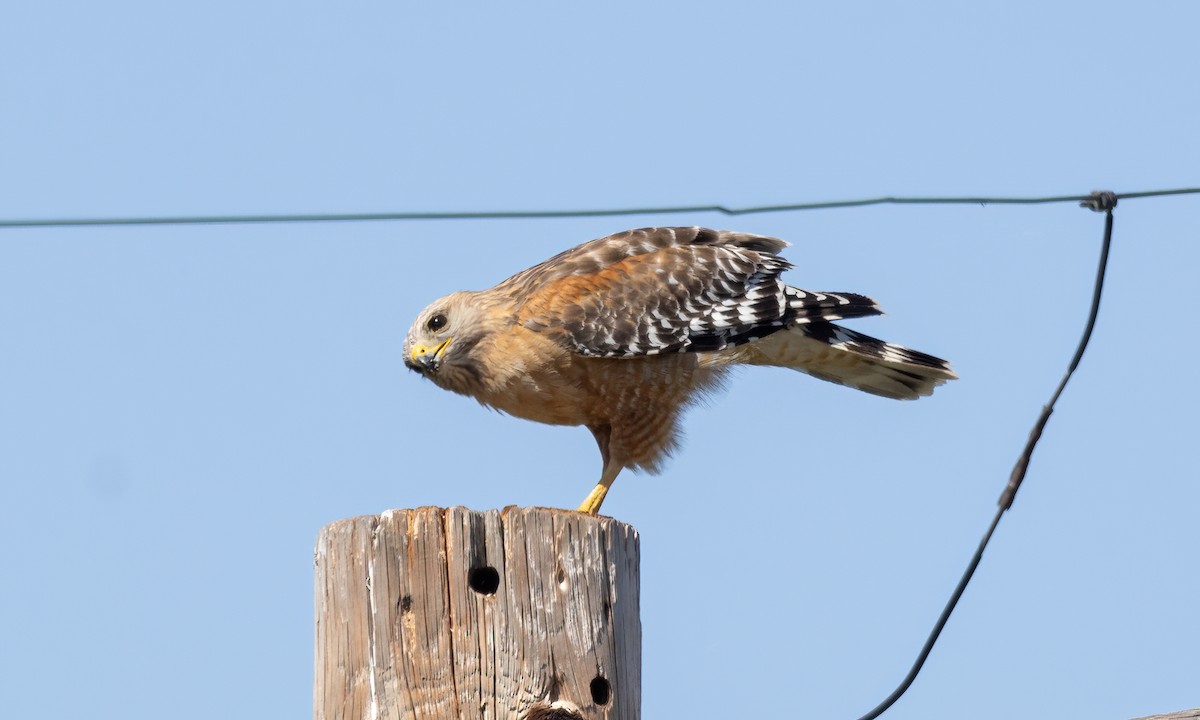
545 214
1100 202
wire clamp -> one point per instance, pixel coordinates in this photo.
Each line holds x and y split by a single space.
1100 201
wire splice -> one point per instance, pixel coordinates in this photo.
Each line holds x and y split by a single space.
1100 201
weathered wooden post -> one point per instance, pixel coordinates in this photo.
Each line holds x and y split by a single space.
453 614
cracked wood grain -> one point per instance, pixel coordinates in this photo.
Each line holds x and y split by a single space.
454 614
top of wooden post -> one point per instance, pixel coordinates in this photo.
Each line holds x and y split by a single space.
449 613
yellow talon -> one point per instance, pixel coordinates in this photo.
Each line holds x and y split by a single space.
591 504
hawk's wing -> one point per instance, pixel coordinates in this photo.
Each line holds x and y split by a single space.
656 290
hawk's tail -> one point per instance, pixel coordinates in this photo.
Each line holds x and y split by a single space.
843 356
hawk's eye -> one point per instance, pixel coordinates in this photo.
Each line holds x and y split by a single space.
437 322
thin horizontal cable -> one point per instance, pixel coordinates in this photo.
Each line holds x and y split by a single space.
535 214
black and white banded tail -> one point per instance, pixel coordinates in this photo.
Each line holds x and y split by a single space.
840 355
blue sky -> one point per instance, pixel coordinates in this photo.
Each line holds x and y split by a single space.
182 408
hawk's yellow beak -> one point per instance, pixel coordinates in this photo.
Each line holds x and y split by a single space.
426 358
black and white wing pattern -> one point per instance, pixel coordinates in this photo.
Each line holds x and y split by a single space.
661 290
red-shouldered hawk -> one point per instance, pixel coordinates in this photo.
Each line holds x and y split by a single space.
622 333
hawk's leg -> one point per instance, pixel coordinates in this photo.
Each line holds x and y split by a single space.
591 504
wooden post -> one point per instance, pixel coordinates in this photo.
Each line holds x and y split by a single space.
453 614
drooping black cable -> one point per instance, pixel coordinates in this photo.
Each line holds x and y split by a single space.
1100 202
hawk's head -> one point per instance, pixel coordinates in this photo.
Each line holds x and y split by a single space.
442 343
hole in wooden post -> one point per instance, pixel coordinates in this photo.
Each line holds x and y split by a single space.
484 580
601 692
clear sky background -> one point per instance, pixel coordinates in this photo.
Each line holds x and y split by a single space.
182 408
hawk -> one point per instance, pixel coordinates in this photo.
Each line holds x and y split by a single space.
622 333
